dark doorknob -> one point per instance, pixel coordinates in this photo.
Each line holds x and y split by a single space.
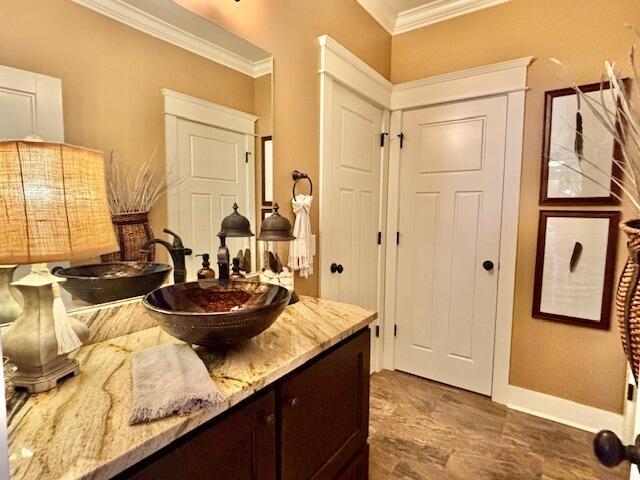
487 265
336 268
611 452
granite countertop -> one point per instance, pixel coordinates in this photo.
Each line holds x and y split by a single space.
80 429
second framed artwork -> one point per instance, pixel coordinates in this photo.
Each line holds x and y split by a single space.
581 161
575 266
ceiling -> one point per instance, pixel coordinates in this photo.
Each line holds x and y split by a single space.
399 16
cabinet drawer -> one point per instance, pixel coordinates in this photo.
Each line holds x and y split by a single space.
238 447
325 413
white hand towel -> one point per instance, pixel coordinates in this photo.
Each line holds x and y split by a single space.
170 379
301 249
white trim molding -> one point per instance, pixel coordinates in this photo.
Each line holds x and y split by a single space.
422 15
202 111
351 71
494 79
505 78
145 22
565 411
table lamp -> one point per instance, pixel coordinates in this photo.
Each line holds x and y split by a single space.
53 207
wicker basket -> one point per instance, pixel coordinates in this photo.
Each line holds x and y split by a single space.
132 231
628 297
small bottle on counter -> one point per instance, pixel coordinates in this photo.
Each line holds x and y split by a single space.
235 270
205 273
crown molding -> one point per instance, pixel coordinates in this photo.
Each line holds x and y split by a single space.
151 25
348 69
494 79
428 14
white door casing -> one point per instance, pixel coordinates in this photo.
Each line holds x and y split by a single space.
451 172
30 104
210 150
352 169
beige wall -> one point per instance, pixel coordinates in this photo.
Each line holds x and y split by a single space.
580 364
289 29
111 77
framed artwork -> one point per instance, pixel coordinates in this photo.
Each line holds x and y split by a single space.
575 265
267 171
266 212
578 152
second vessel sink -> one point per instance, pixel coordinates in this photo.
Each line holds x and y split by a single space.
213 312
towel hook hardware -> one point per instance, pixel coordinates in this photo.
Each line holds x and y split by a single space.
297 175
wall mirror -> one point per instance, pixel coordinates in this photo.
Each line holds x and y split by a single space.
198 126
580 160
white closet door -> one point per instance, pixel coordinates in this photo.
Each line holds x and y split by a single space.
451 180
213 164
30 104
352 213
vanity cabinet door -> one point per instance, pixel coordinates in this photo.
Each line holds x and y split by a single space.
325 413
238 447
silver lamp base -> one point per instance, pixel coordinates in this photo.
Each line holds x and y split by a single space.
30 341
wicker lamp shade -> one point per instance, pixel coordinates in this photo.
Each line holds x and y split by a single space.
53 203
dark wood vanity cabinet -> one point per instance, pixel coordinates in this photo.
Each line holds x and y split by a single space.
239 446
324 413
312 424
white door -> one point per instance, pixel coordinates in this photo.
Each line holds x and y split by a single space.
451 174
30 104
212 164
351 201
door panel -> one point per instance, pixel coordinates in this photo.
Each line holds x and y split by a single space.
212 163
451 174
353 200
31 104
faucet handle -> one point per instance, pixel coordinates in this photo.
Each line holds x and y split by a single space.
177 241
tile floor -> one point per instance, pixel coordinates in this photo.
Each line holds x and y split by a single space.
425 430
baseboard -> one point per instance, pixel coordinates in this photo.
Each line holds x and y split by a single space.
564 411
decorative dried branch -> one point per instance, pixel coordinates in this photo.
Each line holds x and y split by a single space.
612 120
128 193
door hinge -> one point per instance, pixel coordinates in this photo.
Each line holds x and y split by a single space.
401 137
395 330
397 238
377 330
382 138
246 157
379 238
630 392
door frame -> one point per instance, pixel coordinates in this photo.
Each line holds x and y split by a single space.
339 65
507 79
178 106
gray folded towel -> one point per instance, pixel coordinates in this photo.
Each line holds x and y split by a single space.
170 379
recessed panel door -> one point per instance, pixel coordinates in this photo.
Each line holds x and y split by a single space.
213 171
451 174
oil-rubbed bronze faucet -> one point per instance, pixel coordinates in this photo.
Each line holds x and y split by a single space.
177 252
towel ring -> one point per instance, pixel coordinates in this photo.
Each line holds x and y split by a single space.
297 176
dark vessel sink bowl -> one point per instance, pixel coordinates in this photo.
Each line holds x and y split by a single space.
213 313
107 282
